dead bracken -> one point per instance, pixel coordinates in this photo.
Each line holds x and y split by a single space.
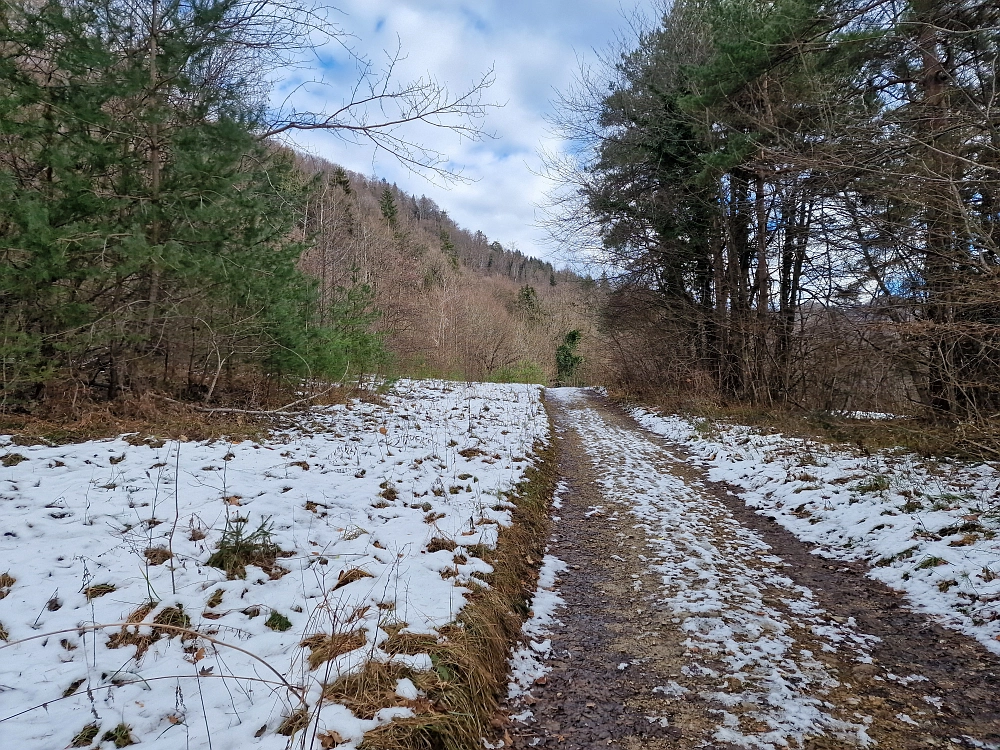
351 575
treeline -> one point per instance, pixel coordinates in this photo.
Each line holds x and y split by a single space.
149 234
801 201
155 238
451 302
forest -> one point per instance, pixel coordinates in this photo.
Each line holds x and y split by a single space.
800 200
159 238
293 455
789 205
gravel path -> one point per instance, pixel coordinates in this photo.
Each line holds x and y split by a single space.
690 622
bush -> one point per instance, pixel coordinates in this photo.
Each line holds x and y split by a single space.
237 548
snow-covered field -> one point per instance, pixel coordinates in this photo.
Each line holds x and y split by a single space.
929 528
377 511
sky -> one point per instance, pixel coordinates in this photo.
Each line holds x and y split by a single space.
534 48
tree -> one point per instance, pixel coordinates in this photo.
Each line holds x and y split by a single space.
567 360
799 197
387 205
146 229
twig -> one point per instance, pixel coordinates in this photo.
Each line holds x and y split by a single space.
177 515
983 447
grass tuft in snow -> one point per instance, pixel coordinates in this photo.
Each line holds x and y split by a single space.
239 548
7 582
101 589
278 622
324 647
347 577
85 736
157 555
121 736
295 722
470 659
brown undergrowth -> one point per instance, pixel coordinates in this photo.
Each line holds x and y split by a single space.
462 693
925 437
150 417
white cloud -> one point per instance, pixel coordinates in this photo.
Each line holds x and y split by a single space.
533 48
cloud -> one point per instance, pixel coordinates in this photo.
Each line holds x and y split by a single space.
533 49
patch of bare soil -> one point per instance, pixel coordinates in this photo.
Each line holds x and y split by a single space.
626 673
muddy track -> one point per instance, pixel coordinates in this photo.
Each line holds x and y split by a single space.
692 622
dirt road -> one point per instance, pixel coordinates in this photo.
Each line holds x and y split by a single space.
691 622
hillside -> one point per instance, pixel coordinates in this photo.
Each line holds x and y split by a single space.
447 299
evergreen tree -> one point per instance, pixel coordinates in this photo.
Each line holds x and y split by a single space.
387 204
567 360
147 232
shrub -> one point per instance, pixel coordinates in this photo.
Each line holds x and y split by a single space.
237 548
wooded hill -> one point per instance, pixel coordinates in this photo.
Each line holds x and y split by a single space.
450 301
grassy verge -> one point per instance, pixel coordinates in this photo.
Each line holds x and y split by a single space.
151 416
924 437
462 693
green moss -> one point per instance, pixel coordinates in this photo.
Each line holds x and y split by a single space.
278 622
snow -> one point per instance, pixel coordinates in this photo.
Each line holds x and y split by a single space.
926 527
406 689
867 415
357 487
719 580
527 662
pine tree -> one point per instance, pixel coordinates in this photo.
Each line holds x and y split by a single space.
387 205
147 231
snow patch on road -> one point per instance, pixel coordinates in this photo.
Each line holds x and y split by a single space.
527 663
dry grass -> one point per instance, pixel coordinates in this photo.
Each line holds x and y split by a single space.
101 589
295 722
323 646
440 543
408 643
158 555
170 617
85 736
151 420
141 641
469 678
924 437
374 688
215 599
347 577
121 736
67 416
7 582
